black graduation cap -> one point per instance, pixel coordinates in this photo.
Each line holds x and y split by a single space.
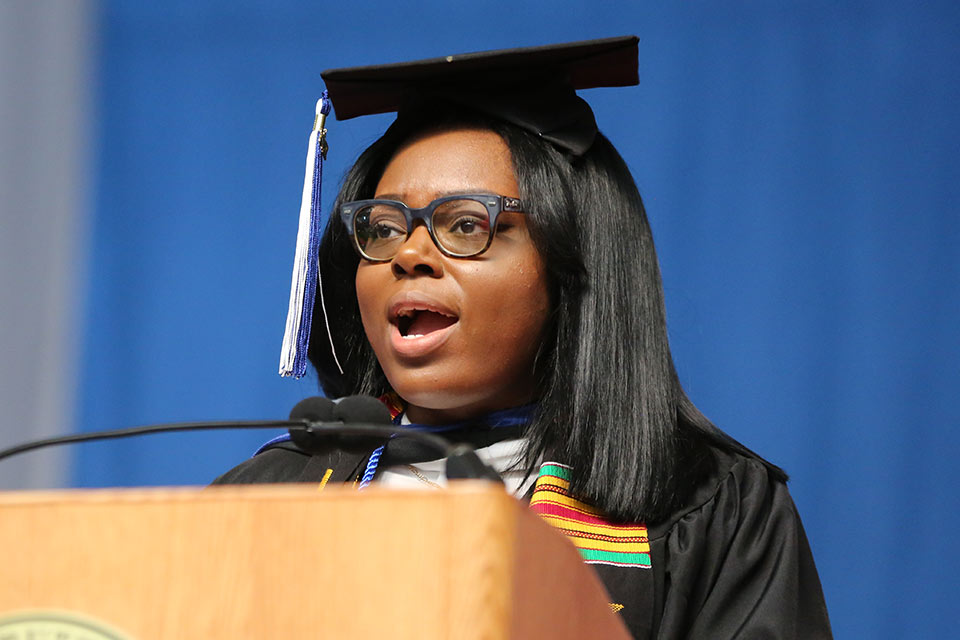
533 87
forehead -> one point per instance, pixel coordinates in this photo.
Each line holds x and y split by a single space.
437 163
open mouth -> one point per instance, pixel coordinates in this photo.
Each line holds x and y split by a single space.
417 323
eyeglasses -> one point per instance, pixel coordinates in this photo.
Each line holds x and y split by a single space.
461 226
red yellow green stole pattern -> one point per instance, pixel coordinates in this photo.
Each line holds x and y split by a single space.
393 403
599 541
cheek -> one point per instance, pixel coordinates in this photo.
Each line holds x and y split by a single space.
518 306
532 292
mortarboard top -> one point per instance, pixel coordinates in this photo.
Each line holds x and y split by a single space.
532 87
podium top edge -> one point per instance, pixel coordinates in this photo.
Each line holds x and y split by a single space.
256 493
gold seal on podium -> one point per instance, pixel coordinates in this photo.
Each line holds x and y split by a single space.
62 625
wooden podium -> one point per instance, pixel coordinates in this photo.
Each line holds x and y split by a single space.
290 562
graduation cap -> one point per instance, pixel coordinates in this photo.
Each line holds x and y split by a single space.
533 88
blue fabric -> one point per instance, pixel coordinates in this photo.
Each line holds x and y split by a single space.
283 437
799 165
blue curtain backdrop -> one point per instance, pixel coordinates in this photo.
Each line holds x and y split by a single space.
799 165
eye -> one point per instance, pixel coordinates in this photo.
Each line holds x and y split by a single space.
381 222
386 229
462 218
467 224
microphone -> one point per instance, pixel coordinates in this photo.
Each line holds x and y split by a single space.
356 410
316 424
360 423
315 409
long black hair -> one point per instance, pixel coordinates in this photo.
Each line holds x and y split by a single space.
610 402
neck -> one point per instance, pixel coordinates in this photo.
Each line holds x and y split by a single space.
434 417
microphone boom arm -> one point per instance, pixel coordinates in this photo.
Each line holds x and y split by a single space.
93 436
462 460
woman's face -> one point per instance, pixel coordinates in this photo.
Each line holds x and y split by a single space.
476 322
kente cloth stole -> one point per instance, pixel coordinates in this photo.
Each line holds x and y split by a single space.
598 540
393 403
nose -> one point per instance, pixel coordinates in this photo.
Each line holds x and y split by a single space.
418 255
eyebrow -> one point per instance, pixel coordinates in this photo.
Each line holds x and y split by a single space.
442 194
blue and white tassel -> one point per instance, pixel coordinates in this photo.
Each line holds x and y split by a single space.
306 272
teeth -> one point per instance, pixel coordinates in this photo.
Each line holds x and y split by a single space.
407 316
412 312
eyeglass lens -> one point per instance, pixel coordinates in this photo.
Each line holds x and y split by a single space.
460 227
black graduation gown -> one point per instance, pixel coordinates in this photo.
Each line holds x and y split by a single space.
733 563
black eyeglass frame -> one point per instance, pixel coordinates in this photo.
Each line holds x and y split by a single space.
494 204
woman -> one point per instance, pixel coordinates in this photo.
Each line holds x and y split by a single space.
528 287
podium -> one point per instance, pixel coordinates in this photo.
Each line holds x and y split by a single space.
287 561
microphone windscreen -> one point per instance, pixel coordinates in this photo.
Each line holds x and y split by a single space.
313 409
361 410
364 409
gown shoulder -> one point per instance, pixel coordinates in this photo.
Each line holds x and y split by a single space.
735 562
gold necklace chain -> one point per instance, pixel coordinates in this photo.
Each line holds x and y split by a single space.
422 478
